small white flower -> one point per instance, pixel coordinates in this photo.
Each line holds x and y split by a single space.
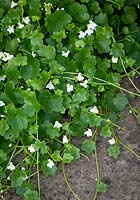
10 145
82 34
20 25
111 141
80 77
8 178
57 125
92 25
114 60
31 148
65 139
88 31
23 168
10 29
26 20
84 84
50 163
69 88
61 8
50 86
4 56
18 39
26 177
2 78
13 4
88 133
65 53
94 110
2 104
11 166
2 116
33 54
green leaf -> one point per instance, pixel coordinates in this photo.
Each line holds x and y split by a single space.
55 67
46 170
88 146
18 177
41 145
3 127
16 118
120 101
52 132
94 120
58 21
31 105
129 15
101 187
81 95
37 39
117 50
47 52
114 151
79 12
73 151
67 158
106 132
3 156
56 156
30 194
101 19
31 70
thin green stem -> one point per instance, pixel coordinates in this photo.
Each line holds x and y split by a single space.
98 171
37 162
126 146
123 89
129 77
66 180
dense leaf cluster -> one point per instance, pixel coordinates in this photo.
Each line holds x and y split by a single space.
34 82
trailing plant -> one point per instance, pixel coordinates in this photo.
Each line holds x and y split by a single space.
61 67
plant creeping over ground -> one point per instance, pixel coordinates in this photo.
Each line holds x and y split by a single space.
61 67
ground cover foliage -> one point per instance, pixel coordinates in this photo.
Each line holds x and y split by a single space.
62 63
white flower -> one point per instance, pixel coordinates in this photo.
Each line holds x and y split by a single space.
88 31
23 168
18 39
13 4
94 110
69 88
50 163
88 133
31 148
2 78
2 116
65 53
91 25
10 145
111 141
33 54
2 104
5 56
65 139
57 125
20 25
50 86
10 29
82 34
80 77
26 20
114 60
11 166
84 84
